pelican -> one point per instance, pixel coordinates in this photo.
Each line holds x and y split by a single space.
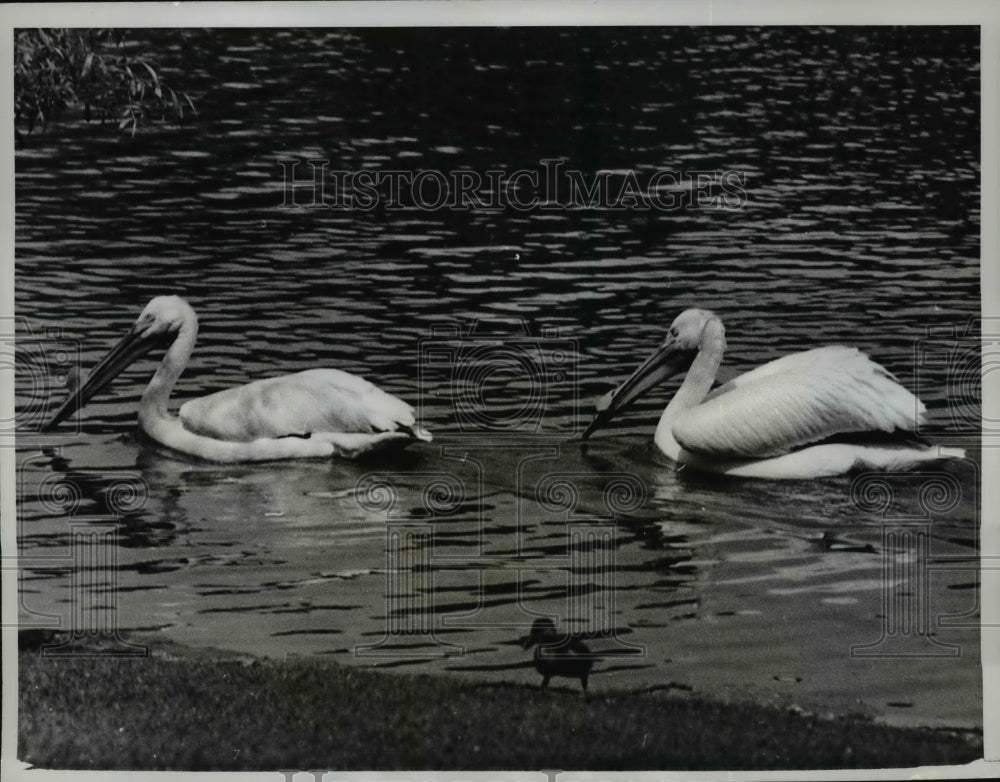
316 413
817 413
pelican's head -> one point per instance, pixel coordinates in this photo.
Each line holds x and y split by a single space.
165 314
159 324
687 329
675 354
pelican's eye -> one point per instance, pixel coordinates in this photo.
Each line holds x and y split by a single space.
150 324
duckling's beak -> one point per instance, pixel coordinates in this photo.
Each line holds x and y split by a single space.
536 636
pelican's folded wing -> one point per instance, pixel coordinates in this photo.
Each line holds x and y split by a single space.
317 400
796 400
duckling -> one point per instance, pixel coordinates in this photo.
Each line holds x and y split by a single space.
559 655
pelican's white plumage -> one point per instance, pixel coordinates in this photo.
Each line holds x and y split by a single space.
796 400
316 400
318 412
771 422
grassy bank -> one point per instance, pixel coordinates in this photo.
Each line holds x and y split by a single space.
181 714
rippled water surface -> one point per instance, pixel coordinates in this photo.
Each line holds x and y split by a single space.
858 156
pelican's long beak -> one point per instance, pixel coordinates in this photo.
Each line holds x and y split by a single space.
133 346
666 361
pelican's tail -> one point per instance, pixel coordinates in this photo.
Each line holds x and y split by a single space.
905 458
416 432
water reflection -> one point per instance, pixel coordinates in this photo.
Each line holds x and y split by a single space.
858 149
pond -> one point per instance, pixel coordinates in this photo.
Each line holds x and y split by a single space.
837 204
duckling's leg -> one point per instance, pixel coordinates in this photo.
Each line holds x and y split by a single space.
545 681
583 681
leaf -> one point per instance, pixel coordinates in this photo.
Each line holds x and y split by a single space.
156 79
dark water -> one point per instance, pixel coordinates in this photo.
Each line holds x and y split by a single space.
856 157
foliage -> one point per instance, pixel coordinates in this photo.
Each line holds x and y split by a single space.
95 71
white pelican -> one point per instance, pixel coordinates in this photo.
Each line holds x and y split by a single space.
319 412
817 413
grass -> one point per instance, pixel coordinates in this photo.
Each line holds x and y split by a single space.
226 715
215 714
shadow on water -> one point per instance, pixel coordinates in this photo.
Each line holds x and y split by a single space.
445 556
857 150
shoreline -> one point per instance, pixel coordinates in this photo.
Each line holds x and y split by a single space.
232 712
